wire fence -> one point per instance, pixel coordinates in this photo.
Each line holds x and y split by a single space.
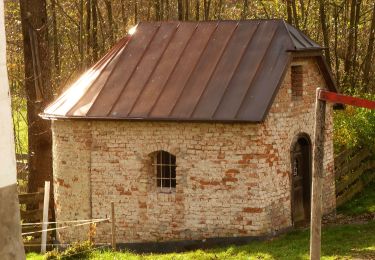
63 227
64 221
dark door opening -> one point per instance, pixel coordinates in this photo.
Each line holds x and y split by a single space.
301 180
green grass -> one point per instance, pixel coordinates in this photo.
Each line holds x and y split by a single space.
356 241
20 128
338 242
363 202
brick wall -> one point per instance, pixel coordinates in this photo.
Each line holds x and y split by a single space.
232 179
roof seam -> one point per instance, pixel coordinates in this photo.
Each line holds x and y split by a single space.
194 68
100 93
257 70
131 75
154 68
114 54
214 70
235 70
296 38
59 102
174 68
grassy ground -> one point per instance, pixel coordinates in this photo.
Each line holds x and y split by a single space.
355 241
339 242
362 203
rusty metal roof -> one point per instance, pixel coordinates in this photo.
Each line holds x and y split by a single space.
210 71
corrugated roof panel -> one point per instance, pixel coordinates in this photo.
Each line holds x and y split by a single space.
217 70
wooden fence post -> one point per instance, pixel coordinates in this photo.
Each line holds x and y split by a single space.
45 216
317 176
113 226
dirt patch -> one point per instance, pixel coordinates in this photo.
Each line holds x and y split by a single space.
341 219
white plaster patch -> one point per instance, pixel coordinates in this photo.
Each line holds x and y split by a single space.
8 174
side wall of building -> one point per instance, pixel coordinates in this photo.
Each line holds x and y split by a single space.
232 179
71 176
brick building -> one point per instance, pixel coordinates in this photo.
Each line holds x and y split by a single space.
195 131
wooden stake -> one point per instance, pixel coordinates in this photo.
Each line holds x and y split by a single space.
45 216
317 178
113 226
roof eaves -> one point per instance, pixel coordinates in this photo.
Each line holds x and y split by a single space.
141 119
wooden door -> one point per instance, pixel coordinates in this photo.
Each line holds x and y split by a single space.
301 181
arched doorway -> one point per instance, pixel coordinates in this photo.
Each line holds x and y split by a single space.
301 179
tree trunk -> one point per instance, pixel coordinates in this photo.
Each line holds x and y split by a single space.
303 14
157 10
88 34
135 12
370 51
337 60
197 5
179 10
56 55
323 24
207 6
108 5
354 61
289 12
123 15
38 90
220 7
94 44
349 52
186 10
295 14
81 36
11 246
245 9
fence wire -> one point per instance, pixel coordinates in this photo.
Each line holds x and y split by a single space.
64 221
64 227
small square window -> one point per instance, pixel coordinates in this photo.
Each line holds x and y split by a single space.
297 82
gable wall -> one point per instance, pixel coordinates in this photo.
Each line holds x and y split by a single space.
232 179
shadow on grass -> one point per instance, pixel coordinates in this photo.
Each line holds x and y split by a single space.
338 242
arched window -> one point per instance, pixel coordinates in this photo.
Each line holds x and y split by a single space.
165 169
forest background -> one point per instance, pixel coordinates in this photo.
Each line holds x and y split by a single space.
51 42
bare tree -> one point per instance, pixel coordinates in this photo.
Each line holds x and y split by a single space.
197 5
289 11
350 49
38 90
295 14
323 24
179 10
370 51
55 38
207 6
245 9
186 10
111 32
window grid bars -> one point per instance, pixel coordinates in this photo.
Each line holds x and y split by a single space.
161 165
